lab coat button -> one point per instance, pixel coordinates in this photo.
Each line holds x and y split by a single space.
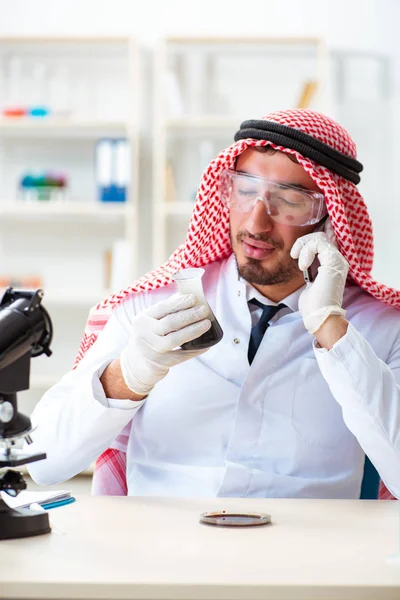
236 341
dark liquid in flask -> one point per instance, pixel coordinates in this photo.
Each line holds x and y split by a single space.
208 339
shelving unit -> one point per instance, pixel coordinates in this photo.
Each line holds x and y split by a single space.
55 126
203 89
92 88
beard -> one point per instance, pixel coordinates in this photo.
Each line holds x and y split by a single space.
253 271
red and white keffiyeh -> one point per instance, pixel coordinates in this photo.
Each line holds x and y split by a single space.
208 240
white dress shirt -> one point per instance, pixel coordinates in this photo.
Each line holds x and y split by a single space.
296 423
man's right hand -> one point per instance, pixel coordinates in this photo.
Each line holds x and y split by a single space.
156 331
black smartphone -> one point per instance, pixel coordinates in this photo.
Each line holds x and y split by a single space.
312 271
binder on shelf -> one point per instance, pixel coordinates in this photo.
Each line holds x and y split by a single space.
121 264
121 168
175 107
112 169
170 187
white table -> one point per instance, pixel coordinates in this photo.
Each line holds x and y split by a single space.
156 549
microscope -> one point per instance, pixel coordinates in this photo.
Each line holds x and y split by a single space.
25 331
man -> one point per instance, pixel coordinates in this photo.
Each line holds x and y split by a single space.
293 398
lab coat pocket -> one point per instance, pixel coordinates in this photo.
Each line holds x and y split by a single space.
316 415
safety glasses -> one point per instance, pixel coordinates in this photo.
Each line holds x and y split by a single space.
284 203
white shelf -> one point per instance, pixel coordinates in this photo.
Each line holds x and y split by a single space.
217 122
74 298
183 209
60 127
95 85
27 210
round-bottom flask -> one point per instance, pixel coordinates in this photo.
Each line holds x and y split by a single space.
189 282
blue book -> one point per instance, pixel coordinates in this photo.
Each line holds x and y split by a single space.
48 505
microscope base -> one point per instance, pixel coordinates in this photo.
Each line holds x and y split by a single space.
23 522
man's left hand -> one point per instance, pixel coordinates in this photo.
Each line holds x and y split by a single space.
324 296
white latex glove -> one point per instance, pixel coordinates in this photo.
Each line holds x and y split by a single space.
324 296
156 331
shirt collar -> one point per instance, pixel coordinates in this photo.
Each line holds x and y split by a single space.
291 301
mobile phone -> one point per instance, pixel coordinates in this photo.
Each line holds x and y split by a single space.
312 271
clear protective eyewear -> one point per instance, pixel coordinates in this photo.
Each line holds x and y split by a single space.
286 204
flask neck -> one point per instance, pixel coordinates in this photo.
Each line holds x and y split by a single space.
189 281
191 286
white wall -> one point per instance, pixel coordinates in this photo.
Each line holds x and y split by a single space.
369 25
365 24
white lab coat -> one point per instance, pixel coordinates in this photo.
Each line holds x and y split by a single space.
297 423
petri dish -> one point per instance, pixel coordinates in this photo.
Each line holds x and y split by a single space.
228 519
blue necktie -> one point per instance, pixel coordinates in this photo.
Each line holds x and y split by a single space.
257 332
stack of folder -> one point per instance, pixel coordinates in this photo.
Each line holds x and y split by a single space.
45 499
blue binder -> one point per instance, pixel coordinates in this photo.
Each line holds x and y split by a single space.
112 169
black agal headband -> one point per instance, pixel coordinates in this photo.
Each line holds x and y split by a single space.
305 144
